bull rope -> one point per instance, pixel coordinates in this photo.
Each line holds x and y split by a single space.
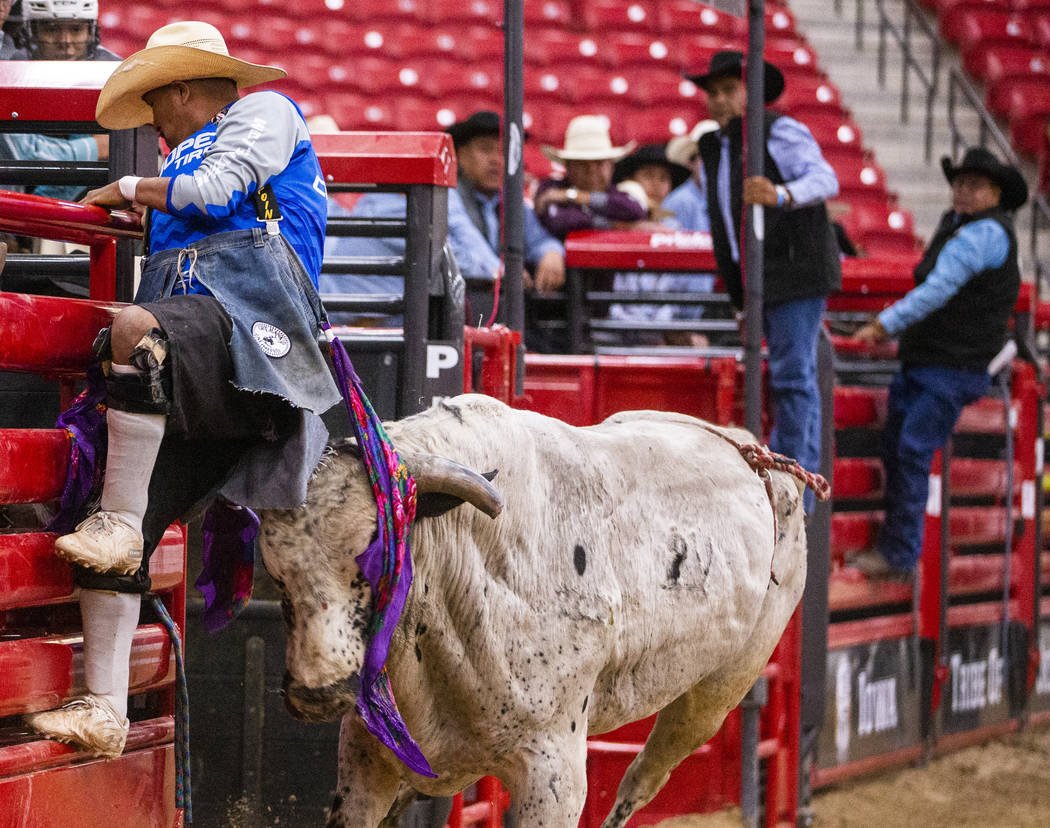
761 460
183 786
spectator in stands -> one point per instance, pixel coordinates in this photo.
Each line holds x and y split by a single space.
688 201
216 366
655 176
8 48
62 30
479 154
801 259
59 30
950 326
585 199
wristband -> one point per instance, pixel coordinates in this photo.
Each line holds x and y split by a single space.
782 195
127 186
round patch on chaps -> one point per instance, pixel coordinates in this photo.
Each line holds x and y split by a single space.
273 341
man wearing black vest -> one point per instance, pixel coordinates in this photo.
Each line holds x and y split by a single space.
950 325
801 258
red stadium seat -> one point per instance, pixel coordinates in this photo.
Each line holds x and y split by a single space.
670 87
977 31
546 120
860 178
603 15
408 11
486 12
557 47
792 58
547 13
676 16
412 113
1013 70
544 83
832 130
635 49
693 52
143 19
589 86
1029 113
880 229
809 94
440 78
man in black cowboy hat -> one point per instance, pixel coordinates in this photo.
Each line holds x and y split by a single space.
479 154
950 325
801 259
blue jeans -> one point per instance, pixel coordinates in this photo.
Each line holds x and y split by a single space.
791 331
924 405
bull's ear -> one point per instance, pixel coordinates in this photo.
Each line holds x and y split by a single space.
435 504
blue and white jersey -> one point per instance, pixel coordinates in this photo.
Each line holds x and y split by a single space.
262 139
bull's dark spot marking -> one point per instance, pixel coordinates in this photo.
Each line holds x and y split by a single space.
454 410
678 551
585 700
579 558
419 653
572 726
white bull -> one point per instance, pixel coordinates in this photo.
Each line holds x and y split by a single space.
636 568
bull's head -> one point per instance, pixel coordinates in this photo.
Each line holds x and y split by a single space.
310 552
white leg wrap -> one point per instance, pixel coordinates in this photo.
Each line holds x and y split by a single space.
109 619
134 440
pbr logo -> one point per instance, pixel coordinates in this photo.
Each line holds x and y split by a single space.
273 341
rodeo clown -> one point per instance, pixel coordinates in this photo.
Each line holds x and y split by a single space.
215 378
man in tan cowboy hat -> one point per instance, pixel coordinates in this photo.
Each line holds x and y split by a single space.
216 365
951 325
585 198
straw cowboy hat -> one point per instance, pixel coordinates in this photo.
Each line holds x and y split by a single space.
682 149
176 52
1014 190
587 139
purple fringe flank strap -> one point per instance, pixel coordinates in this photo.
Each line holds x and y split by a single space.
386 563
228 562
85 423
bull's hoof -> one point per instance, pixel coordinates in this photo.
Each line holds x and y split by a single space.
321 704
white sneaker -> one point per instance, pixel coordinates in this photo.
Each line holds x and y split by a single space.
104 542
87 722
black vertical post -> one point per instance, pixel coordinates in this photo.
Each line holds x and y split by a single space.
131 152
754 231
751 267
513 174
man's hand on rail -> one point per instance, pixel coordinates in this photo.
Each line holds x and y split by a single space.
149 192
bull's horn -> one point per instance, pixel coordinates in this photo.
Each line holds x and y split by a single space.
436 474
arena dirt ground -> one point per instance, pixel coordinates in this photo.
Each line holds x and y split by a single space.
1002 784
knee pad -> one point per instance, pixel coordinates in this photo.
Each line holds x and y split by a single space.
148 389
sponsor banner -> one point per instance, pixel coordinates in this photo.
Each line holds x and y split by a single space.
1040 699
982 686
873 701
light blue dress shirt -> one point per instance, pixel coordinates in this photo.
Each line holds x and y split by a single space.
688 202
979 245
807 176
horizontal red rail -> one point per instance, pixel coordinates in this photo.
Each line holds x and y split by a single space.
32 464
387 158
37 755
635 250
41 673
31 574
64 220
50 335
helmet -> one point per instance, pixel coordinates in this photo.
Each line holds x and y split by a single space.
60 10
43 12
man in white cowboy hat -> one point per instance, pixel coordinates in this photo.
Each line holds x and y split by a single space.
216 365
950 325
800 252
585 199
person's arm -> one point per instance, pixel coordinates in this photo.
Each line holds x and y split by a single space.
808 178
616 205
252 143
978 246
474 254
